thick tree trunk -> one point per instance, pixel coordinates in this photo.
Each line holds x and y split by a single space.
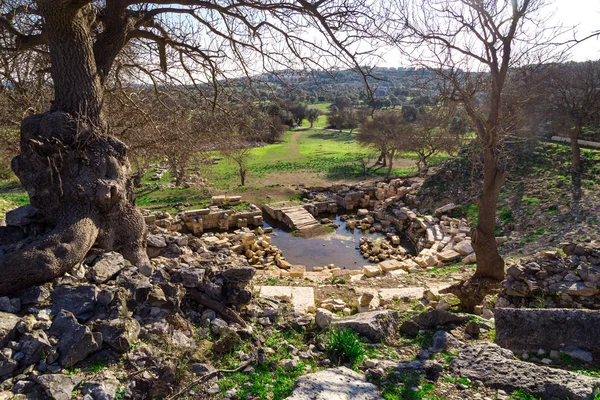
76 176
489 263
77 85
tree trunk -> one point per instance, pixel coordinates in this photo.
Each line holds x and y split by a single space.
576 166
390 163
77 177
243 176
489 263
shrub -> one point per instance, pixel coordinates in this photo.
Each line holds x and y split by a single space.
345 345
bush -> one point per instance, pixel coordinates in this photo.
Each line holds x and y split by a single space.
345 345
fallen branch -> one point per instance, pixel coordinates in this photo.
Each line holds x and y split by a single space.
209 375
227 313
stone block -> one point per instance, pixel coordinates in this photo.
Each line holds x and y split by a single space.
390 265
526 330
464 248
448 255
371 270
283 293
297 271
303 299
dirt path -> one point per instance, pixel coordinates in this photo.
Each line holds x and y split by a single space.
295 143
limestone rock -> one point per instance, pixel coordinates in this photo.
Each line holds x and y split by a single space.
9 325
497 368
106 266
78 300
371 270
443 340
76 341
323 318
375 325
102 389
522 329
464 248
434 318
58 386
334 384
120 334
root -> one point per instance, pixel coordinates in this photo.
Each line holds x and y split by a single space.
472 291
48 258
227 313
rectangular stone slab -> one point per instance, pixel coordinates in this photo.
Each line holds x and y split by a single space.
527 329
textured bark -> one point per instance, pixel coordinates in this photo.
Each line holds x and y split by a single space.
77 85
76 175
576 166
489 263
79 181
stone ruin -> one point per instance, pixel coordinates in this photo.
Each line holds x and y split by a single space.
551 279
218 216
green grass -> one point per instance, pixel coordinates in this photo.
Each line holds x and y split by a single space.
345 345
407 386
472 213
331 155
269 380
521 394
531 200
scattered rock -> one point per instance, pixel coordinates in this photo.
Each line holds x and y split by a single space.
376 326
497 368
58 386
334 384
76 341
120 334
106 266
323 318
78 300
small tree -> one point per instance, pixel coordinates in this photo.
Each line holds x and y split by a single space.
574 103
431 136
387 132
312 115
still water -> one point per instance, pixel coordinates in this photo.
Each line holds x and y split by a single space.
339 247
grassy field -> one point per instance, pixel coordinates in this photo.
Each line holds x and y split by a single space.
304 156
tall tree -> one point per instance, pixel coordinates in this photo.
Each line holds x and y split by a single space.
472 45
76 174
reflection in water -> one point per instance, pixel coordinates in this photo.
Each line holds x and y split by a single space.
339 247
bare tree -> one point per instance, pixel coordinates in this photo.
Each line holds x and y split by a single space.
472 45
574 101
388 132
430 135
76 174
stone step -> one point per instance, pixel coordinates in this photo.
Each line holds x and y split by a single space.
302 298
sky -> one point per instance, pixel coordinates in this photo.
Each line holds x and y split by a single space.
586 15
581 15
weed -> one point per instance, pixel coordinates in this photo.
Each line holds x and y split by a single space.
272 280
98 366
345 345
121 393
531 200
521 394
407 386
506 216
